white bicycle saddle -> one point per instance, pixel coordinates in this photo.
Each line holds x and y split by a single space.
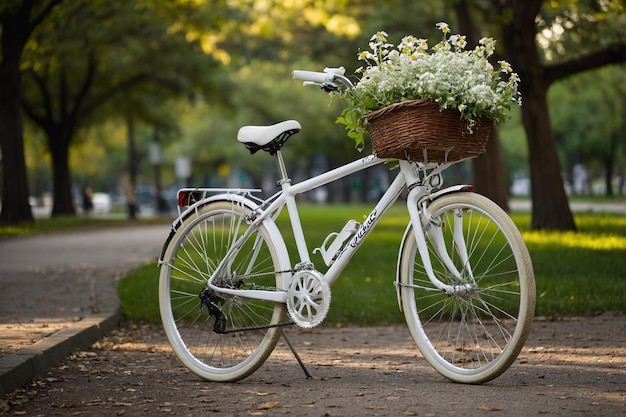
267 138
262 135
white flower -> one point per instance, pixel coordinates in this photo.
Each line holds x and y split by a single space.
505 67
488 45
458 41
443 26
380 36
446 73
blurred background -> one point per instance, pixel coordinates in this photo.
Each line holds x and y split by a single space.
123 102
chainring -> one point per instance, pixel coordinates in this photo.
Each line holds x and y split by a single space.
308 298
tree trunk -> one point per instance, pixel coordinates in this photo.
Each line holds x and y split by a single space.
17 23
489 173
61 178
131 193
609 164
15 207
550 207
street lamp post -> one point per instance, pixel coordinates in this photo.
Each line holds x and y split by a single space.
155 160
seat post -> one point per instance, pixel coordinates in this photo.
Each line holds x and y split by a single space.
284 178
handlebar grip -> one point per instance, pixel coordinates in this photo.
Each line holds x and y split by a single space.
317 77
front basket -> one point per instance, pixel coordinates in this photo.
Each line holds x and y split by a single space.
417 130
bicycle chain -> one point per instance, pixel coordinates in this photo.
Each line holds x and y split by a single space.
269 326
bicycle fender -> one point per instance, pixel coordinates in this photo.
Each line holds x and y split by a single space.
449 190
241 200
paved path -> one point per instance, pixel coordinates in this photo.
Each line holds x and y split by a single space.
569 367
57 293
576 206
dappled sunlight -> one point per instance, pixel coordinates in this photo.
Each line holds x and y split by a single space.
609 357
161 346
135 338
343 25
354 356
15 336
575 240
604 221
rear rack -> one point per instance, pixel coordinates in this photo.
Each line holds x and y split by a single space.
189 196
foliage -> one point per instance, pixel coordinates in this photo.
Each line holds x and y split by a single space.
281 31
514 146
450 76
576 273
587 135
568 27
265 94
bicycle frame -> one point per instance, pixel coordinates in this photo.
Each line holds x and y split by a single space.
411 175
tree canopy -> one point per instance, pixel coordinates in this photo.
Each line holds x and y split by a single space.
86 65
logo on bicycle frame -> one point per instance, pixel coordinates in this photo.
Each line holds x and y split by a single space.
364 229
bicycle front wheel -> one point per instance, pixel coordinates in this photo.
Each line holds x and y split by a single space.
218 336
474 333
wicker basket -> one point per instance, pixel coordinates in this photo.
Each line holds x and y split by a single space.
417 130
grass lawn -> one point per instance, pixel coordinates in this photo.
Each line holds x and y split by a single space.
576 273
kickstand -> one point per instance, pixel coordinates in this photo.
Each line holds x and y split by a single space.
306 371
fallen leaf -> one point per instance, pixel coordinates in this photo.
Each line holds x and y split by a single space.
268 406
487 408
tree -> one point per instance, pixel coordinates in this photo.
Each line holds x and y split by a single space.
90 55
517 24
18 19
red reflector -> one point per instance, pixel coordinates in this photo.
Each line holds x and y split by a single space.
469 188
187 198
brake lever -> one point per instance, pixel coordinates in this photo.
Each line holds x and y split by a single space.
328 87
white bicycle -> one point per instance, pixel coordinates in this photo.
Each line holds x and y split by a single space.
227 285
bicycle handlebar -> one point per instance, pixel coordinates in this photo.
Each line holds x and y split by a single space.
330 75
316 77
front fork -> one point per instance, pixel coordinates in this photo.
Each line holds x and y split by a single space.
433 227
425 226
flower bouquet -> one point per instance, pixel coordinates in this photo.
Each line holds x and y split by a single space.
428 104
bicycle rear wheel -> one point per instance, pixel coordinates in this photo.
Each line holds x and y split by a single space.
218 336
474 334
